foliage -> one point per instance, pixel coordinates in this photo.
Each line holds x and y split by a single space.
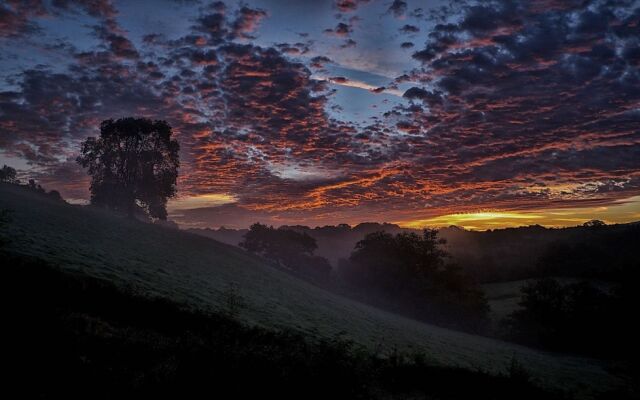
576 317
134 162
4 220
591 250
413 271
8 174
599 252
286 247
55 195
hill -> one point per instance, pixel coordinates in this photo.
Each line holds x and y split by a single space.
198 271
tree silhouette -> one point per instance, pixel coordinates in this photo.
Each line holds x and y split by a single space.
288 248
281 245
133 164
412 271
8 174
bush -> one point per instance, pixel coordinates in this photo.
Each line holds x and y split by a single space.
576 317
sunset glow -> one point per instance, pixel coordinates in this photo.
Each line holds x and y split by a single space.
203 200
324 112
620 212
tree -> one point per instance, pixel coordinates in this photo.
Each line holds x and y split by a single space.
133 164
8 174
36 187
280 245
572 316
287 247
594 223
411 271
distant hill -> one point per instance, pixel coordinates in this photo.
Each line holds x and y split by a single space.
498 255
334 242
159 261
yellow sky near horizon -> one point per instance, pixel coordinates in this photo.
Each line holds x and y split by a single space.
622 211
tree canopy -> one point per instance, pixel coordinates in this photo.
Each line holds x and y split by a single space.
286 247
8 174
412 270
133 164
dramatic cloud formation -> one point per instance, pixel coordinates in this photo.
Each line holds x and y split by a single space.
501 105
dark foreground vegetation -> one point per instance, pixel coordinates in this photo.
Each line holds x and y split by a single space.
77 336
412 274
579 317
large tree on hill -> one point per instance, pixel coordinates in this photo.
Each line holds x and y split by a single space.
133 163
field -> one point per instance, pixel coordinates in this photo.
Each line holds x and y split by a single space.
198 271
503 297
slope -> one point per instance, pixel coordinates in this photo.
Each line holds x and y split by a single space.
197 271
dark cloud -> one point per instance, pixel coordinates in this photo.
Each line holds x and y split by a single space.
247 20
348 43
349 5
117 44
320 61
398 8
19 17
409 29
214 26
341 30
16 17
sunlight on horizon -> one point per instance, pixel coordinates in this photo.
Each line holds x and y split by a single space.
201 201
622 211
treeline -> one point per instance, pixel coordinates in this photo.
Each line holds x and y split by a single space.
498 255
406 273
9 175
580 317
591 251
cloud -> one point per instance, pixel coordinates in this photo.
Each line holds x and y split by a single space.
349 5
398 8
342 81
518 96
510 105
409 29
348 43
16 18
247 21
341 30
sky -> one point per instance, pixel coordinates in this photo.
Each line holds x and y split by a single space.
483 114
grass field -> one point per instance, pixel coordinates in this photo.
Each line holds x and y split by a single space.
503 297
198 271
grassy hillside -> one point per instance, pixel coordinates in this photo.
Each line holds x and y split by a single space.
198 271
